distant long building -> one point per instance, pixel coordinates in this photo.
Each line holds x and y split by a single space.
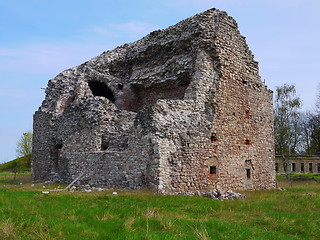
298 164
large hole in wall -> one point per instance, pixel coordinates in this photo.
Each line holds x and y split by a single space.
102 90
140 96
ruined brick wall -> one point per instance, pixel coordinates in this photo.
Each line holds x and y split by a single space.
181 110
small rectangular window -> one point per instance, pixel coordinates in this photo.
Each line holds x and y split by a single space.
57 155
248 114
293 167
302 167
285 167
310 167
248 173
277 167
213 170
318 167
213 137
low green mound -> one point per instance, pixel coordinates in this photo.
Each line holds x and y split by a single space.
20 164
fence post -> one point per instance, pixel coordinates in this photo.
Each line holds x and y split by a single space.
15 173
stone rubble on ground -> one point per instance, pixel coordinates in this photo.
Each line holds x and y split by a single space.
217 195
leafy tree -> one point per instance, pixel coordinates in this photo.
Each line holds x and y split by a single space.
24 145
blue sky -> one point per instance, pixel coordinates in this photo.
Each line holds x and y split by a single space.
40 38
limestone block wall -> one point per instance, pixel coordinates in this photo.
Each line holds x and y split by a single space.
243 126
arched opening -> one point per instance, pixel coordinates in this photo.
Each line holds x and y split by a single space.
102 90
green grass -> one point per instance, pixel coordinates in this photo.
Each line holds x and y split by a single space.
27 213
20 164
14 178
297 177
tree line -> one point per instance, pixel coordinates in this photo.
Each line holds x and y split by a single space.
296 131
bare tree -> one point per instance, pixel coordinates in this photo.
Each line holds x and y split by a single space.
286 123
287 116
318 101
307 129
314 124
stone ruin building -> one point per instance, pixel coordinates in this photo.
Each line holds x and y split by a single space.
181 110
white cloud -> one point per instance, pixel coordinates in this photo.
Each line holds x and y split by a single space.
201 5
101 30
207 4
133 29
46 58
54 58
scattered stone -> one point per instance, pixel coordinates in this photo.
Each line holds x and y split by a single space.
114 193
217 195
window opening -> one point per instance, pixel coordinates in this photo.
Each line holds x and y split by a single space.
104 145
102 90
213 137
120 86
247 114
302 167
57 159
310 167
293 167
213 169
277 167
248 171
318 167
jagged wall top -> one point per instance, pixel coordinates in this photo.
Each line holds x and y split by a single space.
194 33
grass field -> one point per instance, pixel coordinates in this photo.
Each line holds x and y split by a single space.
14 178
27 213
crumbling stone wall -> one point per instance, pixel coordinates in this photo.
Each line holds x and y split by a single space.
181 110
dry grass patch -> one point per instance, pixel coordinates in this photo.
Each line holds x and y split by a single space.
8 229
